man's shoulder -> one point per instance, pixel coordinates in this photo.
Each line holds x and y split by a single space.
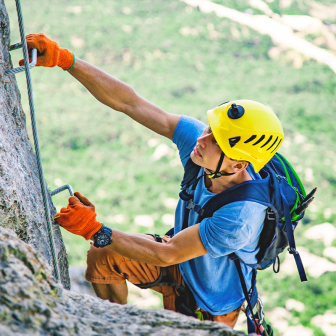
242 213
188 128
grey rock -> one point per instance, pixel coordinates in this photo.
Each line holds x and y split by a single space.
31 303
78 282
21 205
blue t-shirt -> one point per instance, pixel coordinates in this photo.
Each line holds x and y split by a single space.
213 277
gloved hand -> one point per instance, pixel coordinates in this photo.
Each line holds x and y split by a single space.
49 54
79 217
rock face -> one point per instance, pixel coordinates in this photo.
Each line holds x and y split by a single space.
32 304
21 205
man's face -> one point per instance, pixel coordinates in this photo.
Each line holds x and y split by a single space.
207 152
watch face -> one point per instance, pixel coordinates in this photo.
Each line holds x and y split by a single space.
103 239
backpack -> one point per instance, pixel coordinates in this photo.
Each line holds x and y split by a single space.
281 190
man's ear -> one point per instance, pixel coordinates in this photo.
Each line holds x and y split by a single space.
240 165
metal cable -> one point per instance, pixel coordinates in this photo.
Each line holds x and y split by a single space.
36 141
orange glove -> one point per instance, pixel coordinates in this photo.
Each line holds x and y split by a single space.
49 54
79 217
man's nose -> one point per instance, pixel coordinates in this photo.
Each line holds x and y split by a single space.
202 140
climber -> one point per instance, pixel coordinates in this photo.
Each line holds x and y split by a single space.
231 150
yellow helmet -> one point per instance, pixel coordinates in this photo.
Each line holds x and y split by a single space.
246 130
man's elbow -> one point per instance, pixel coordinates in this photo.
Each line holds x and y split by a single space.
167 259
126 104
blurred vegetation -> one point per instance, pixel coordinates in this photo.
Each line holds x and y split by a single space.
168 52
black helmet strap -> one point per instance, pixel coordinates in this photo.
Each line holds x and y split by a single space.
217 174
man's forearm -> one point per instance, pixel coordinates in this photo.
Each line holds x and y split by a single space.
105 88
121 97
185 245
140 248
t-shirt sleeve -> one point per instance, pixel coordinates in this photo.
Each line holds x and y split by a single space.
232 227
186 133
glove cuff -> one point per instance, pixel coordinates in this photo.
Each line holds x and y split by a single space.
66 59
91 229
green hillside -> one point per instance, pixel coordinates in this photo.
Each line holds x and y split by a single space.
185 61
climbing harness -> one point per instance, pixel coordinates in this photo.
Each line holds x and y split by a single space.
23 45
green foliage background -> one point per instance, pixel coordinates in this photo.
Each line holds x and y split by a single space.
105 155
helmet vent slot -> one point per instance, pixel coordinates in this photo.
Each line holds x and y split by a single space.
269 139
250 139
261 139
277 146
273 143
233 141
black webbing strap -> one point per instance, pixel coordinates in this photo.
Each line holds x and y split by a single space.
217 174
236 260
217 171
184 301
187 210
186 219
291 241
164 279
156 237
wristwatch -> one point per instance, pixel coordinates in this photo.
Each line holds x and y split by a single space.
103 237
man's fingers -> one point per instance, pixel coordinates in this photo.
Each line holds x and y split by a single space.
74 200
63 210
21 62
83 199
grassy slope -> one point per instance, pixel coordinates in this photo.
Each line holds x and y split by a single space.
105 155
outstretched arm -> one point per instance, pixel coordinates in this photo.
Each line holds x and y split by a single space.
105 88
121 97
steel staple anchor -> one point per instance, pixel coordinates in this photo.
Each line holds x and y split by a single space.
58 190
22 68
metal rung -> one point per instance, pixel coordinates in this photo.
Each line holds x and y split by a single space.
58 190
15 46
22 68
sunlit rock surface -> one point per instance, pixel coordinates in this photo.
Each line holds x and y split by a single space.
31 303
21 205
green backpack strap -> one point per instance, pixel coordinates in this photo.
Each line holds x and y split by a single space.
286 165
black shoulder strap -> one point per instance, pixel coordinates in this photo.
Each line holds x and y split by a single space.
255 191
250 304
191 171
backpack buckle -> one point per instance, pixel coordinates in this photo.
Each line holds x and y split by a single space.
193 206
292 250
270 214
